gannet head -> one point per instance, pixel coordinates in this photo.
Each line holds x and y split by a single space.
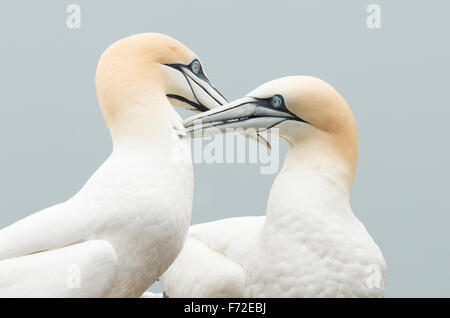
304 110
137 76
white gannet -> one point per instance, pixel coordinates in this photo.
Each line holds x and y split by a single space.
122 230
309 244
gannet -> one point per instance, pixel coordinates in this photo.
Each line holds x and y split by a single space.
127 224
309 243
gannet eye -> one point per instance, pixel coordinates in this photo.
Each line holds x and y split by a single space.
196 67
276 101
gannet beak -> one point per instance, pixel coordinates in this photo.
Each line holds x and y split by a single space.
205 94
244 113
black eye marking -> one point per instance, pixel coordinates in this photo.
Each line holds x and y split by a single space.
276 101
195 67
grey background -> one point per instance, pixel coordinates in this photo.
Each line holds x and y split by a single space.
396 80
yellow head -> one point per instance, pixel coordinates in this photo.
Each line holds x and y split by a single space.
139 75
307 112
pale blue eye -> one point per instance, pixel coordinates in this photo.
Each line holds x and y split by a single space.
276 102
196 67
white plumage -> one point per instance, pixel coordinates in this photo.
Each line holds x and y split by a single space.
309 244
123 229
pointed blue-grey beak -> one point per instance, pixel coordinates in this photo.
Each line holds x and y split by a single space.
245 113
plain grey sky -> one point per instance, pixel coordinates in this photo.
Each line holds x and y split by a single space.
395 79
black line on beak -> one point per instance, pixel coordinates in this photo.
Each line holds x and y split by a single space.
198 107
270 127
192 89
207 81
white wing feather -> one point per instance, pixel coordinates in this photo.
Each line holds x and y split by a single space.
200 271
80 270
211 261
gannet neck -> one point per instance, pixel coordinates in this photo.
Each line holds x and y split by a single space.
147 122
325 153
315 179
